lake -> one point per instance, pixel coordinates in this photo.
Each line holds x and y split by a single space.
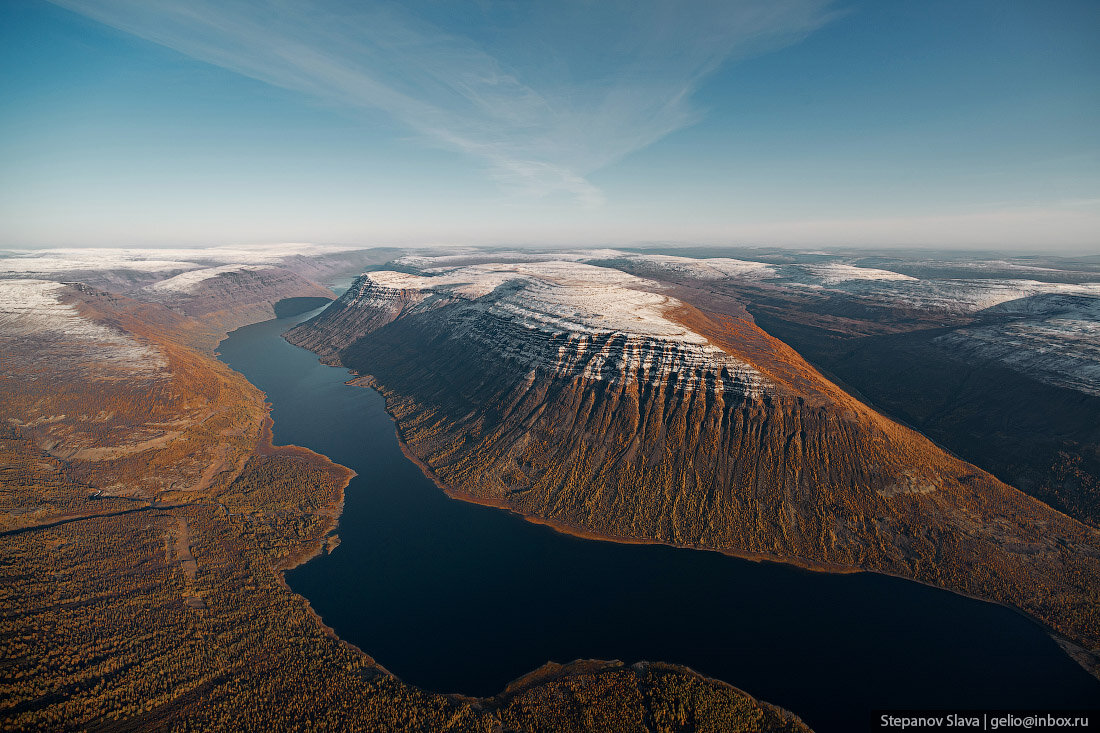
455 597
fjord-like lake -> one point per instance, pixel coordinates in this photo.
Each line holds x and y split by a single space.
455 597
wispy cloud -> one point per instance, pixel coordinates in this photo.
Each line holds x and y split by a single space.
544 94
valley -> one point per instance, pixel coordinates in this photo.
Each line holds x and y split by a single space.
147 520
612 395
506 388
419 576
568 367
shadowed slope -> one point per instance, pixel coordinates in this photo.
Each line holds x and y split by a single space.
782 465
145 520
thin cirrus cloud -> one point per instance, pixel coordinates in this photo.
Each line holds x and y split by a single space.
542 94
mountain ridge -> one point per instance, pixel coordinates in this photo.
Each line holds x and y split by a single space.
798 470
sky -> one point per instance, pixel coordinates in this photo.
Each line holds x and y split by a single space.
735 122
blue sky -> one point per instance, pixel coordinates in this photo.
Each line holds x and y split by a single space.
796 122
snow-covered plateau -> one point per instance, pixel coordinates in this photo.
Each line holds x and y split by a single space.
1054 338
49 262
33 310
1015 324
580 311
187 282
566 318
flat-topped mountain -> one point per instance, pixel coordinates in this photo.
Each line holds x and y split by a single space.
596 401
141 497
563 319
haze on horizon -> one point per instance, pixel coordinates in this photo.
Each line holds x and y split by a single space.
794 122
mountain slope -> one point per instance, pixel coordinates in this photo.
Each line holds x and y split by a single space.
580 396
145 519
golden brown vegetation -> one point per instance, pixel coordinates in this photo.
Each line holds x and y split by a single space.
1039 438
183 423
651 697
805 473
140 579
289 500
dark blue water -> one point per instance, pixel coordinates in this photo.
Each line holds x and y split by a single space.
455 597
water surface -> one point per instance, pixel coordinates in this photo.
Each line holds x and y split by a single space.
455 597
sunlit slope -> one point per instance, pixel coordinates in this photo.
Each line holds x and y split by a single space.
145 519
113 395
997 360
582 397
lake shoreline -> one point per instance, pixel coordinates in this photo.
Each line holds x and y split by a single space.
424 574
1087 659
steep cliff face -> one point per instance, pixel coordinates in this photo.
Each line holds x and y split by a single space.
137 477
538 322
229 296
588 398
1001 372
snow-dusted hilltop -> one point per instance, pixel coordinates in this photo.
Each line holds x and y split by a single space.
190 281
983 288
224 287
35 312
603 312
1059 351
1053 338
564 318
1046 329
179 277
47 263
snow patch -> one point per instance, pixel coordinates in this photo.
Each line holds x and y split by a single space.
73 259
81 260
188 282
834 272
969 296
31 310
711 268
570 318
474 256
1052 338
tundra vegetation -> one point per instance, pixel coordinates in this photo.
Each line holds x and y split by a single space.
145 520
510 396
